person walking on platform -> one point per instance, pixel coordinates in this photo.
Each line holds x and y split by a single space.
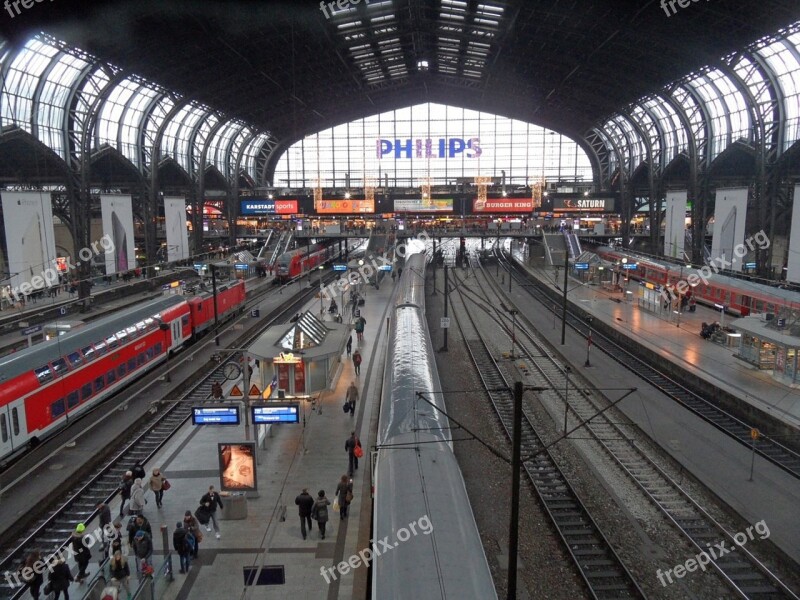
120 571
350 447
30 575
357 362
137 498
60 578
125 491
320 512
305 504
137 524
81 551
192 525
349 345
143 548
210 500
352 398
183 546
360 323
138 471
344 493
104 515
157 485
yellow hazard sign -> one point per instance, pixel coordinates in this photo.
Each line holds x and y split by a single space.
235 391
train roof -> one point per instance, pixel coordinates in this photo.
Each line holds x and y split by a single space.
32 358
742 285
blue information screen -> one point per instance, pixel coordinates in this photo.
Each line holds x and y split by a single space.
581 266
215 415
339 267
276 412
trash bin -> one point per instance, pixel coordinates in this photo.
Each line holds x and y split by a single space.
235 507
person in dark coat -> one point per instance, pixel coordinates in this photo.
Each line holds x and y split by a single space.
349 345
192 525
320 512
357 362
120 571
143 548
350 447
305 503
34 579
344 489
125 490
60 578
138 471
81 551
182 546
352 397
211 500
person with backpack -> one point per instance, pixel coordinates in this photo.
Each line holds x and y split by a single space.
192 525
320 512
210 501
352 397
359 327
357 362
120 571
183 542
344 493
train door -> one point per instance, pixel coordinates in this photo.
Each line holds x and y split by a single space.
12 428
6 443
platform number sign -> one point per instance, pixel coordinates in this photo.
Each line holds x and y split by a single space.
445 323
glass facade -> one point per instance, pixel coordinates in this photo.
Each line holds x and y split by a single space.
431 142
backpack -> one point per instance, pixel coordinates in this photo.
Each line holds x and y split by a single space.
191 543
321 511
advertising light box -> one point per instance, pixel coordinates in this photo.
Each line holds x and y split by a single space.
268 207
503 205
237 466
345 206
216 415
423 205
276 412
583 204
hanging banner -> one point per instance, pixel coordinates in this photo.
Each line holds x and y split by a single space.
675 224
117 211
175 223
730 210
793 267
30 242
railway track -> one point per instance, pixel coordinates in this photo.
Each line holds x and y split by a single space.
600 567
51 533
743 572
769 448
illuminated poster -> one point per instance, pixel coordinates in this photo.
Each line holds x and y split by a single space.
117 212
503 205
583 205
345 206
255 206
237 467
283 376
299 378
30 242
424 205
175 223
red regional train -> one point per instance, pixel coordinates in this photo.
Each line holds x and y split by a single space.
296 262
42 387
738 296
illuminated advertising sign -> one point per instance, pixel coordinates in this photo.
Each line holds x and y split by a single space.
345 206
428 148
268 207
237 467
503 205
583 204
215 415
424 205
276 412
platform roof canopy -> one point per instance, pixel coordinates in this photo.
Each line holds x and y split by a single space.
295 67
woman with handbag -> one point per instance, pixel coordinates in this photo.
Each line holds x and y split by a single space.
344 494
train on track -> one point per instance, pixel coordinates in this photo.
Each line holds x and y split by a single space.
43 387
297 262
738 296
416 473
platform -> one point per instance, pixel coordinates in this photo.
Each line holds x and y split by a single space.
677 339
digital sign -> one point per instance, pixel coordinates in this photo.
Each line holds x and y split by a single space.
216 415
345 206
581 266
583 204
503 205
428 148
276 412
237 467
268 207
423 205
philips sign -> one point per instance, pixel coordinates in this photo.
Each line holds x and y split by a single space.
428 148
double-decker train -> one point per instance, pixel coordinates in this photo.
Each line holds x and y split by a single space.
296 262
738 296
43 387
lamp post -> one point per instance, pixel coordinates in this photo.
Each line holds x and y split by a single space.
588 342
513 330
214 292
321 310
567 371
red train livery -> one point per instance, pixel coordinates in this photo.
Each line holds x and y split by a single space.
42 387
296 262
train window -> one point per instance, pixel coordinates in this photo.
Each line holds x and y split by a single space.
100 348
158 348
72 400
56 408
185 320
111 377
140 359
44 374
121 370
99 384
121 335
112 342
3 428
86 392
75 359
140 326
132 331
59 366
15 421
88 353
131 364
150 353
